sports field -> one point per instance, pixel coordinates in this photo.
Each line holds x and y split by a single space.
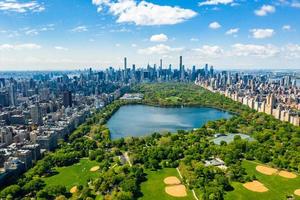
278 187
77 174
154 187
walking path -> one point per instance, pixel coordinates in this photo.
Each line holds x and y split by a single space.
127 158
193 191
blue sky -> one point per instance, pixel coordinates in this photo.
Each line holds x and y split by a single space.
75 34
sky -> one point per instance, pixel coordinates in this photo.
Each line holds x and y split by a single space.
77 34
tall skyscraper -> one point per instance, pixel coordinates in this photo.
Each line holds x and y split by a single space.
12 95
181 69
160 64
125 72
125 63
180 63
4 99
2 82
36 114
67 99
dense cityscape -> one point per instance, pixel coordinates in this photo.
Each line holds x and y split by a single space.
38 109
149 100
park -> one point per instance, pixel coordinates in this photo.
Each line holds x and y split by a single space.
90 164
272 186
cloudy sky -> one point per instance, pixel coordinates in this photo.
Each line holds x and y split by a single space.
74 34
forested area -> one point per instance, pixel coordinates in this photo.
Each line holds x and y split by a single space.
276 143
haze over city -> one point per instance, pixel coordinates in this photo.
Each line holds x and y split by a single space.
229 34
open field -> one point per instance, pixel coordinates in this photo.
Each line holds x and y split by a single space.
154 187
77 174
278 187
174 99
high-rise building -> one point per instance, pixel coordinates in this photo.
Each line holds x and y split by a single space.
12 95
2 82
4 99
67 99
160 64
181 69
180 63
6 136
36 114
125 63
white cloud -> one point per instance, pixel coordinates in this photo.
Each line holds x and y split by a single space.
159 49
80 29
194 39
214 25
121 30
21 7
292 51
145 13
117 45
31 32
27 46
215 2
232 31
133 45
209 51
265 10
159 38
286 27
295 4
262 33
291 3
60 48
262 51
36 31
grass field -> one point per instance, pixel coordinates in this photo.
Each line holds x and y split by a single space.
279 187
77 174
174 99
154 187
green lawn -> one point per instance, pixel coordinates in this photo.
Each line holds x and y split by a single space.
174 99
154 187
77 174
278 186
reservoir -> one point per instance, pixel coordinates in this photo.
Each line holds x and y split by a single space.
141 120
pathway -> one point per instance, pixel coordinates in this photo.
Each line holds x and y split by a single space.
193 191
127 158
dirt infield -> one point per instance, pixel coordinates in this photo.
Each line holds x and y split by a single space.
172 180
287 174
73 189
176 190
255 186
95 168
297 192
266 170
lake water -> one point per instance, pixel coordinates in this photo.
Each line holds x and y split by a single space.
140 120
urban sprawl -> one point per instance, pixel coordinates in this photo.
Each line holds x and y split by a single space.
39 108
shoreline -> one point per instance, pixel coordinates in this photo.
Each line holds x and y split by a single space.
140 103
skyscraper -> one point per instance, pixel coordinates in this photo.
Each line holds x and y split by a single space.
181 69
125 63
180 63
4 99
36 114
67 99
160 64
12 95
125 72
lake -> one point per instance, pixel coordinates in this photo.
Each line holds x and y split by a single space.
141 120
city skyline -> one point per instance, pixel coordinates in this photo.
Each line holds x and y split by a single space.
235 34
